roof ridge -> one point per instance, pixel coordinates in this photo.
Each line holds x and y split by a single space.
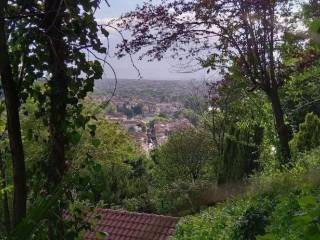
137 213
144 230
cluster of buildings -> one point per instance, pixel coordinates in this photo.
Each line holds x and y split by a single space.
150 109
136 127
163 128
149 134
146 128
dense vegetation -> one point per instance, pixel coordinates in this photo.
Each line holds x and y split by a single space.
278 205
253 151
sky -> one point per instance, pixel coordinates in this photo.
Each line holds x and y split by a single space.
163 70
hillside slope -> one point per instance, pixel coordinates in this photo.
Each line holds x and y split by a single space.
282 205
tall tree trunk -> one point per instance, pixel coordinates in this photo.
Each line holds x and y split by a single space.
13 123
59 88
58 102
5 201
281 128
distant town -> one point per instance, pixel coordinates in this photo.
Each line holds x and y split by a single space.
148 123
150 110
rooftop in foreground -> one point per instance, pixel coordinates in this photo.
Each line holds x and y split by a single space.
123 225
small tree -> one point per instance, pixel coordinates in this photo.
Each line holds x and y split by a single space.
182 169
185 156
308 136
241 154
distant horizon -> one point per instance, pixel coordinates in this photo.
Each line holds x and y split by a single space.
154 79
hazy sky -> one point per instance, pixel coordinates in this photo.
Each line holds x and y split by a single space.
149 70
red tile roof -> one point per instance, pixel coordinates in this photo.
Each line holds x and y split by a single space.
123 225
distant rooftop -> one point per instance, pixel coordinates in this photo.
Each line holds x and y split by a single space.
123 225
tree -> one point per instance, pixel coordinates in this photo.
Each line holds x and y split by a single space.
46 41
196 100
185 157
53 20
241 154
308 136
299 103
109 166
195 103
68 67
233 109
183 169
248 33
43 59
311 17
11 95
138 109
4 188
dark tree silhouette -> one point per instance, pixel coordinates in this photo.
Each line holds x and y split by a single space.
11 95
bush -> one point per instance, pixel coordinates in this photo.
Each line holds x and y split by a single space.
280 205
241 153
185 156
109 167
178 197
308 136
234 220
182 166
296 216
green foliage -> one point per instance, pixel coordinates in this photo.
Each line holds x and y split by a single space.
300 95
234 220
308 136
192 116
131 111
109 167
296 216
105 165
185 156
127 111
196 104
75 219
280 205
56 74
241 154
110 108
138 109
162 116
182 167
6 189
28 228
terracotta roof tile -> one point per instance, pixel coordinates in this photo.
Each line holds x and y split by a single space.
123 225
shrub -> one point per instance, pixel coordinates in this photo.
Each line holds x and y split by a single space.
182 167
234 220
282 205
308 136
295 217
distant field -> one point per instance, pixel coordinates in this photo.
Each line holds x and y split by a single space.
162 90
